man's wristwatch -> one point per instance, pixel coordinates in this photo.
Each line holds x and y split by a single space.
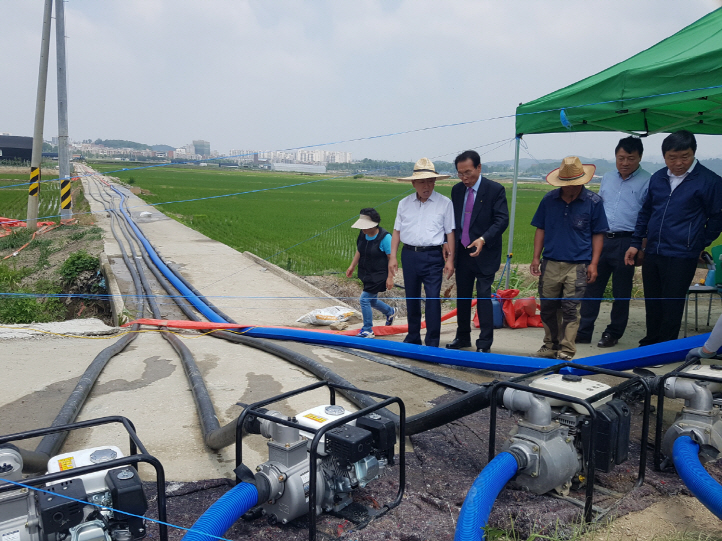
482 240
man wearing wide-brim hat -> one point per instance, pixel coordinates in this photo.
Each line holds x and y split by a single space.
570 223
424 222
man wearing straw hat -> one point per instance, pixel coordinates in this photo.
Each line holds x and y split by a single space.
570 223
424 222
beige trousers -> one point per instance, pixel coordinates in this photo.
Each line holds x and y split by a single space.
561 289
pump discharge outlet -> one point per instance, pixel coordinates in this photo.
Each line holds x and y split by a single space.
551 442
701 417
349 457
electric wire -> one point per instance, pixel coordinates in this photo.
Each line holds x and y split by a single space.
427 128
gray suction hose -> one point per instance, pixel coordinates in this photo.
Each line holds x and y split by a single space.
214 436
37 461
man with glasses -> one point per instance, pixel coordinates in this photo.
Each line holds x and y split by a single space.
481 216
681 215
424 222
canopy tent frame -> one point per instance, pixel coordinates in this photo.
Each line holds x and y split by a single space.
644 95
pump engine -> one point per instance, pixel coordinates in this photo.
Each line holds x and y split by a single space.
551 442
59 512
348 457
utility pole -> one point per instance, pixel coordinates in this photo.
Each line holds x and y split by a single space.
37 155
66 203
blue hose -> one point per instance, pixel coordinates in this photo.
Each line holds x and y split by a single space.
482 494
224 513
192 298
685 454
663 353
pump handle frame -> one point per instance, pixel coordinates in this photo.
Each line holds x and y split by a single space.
132 460
320 432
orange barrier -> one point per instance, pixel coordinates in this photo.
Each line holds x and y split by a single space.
9 223
46 226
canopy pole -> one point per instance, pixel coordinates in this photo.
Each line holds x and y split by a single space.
513 208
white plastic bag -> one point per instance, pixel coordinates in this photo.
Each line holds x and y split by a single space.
327 316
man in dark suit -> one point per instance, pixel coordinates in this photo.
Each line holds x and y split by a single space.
482 215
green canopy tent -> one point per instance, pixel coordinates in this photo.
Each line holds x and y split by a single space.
675 84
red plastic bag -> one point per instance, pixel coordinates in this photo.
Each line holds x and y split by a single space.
521 313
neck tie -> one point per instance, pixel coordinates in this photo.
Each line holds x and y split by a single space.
468 208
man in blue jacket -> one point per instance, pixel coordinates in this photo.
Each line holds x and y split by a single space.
681 215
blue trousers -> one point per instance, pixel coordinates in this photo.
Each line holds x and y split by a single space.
369 301
423 268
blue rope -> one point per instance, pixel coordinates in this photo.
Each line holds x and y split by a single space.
133 296
40 218
103 507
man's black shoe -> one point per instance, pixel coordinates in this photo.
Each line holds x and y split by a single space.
583 340
458 344
483 350
607 341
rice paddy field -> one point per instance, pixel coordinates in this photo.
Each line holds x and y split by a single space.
14 198
299 222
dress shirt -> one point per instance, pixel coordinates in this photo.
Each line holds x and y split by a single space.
475 187
623 198
675 181
427 223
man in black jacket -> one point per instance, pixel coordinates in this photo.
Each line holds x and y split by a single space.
481 215
681 215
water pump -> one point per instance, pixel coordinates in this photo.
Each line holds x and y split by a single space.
319 457
58 512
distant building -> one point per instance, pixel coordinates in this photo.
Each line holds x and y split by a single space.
13 147
298 168
304 156
202 147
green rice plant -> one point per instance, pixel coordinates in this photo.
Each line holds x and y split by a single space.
304 227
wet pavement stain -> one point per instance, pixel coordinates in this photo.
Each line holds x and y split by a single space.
260 386
35 410
208 363
155 370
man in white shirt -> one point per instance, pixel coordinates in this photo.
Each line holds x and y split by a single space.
424 222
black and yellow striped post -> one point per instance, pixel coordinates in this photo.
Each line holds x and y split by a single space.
34 189
66 203
33 198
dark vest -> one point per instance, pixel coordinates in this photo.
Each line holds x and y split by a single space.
373 266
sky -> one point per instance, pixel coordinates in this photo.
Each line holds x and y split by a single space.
278 74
